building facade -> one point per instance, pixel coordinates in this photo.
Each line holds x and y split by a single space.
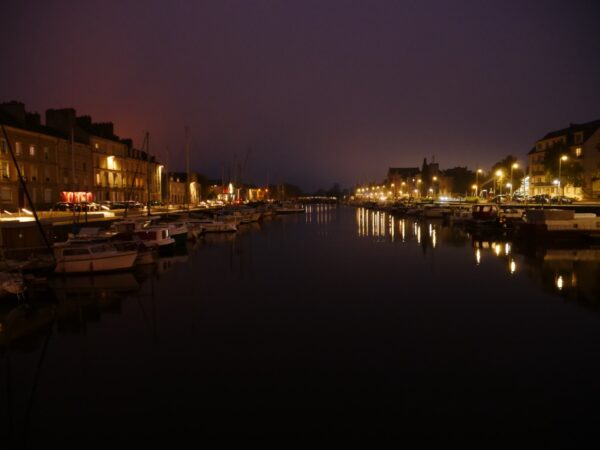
70 159
572 149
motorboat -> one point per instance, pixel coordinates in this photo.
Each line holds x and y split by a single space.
87 257
558 224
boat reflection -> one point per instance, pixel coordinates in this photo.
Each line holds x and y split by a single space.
572 273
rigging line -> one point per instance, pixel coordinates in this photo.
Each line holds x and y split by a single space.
24 186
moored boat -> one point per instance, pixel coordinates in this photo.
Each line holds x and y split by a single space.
89 257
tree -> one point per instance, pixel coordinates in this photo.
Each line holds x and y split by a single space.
506 165
462 179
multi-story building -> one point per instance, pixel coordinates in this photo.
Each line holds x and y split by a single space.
577 144
71 159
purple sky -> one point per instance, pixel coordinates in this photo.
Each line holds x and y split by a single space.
321 91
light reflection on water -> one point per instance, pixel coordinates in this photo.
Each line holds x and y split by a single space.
306 309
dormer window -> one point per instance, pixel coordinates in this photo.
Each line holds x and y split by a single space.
578 152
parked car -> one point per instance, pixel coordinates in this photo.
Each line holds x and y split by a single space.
518 198
86 206
562 199
63 206
540 198
500 199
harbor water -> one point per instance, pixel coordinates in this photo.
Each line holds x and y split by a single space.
338 320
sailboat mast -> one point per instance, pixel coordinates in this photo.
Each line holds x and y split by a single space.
148 171
187 169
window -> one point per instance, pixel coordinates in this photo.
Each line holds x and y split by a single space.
4 169
18 148
578 152
6 194
3 147
34 173
32 150
47 174
47 195
46 153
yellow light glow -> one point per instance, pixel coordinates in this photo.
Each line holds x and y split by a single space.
559 282
478 256
499 173
497 249
564 157
513 266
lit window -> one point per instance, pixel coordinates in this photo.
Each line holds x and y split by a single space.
3 147
578 152
46 153
4 168
32 150
18 148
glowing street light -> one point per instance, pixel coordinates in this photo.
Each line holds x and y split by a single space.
477 181
560 160
499 174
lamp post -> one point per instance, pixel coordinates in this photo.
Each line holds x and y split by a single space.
433 181
477 181
499 175
560 160
514 166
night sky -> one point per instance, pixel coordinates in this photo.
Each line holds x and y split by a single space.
311 92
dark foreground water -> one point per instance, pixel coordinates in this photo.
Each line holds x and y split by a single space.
341 320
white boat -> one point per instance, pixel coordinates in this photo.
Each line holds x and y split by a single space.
92 257
215 226
558 224
157 235
461 214
178 229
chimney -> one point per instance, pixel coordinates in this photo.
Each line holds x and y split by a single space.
61 119
16 110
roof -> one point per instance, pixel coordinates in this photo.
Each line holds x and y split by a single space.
588 129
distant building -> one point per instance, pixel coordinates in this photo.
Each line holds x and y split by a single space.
403 181
577 142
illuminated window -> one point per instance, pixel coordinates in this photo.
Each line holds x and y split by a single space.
18 148
578 152
4 169
97 178
3 147
32 150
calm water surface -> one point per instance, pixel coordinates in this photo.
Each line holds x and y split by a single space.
337 320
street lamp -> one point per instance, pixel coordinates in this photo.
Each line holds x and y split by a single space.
514 166
477 181
560 160
499 175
